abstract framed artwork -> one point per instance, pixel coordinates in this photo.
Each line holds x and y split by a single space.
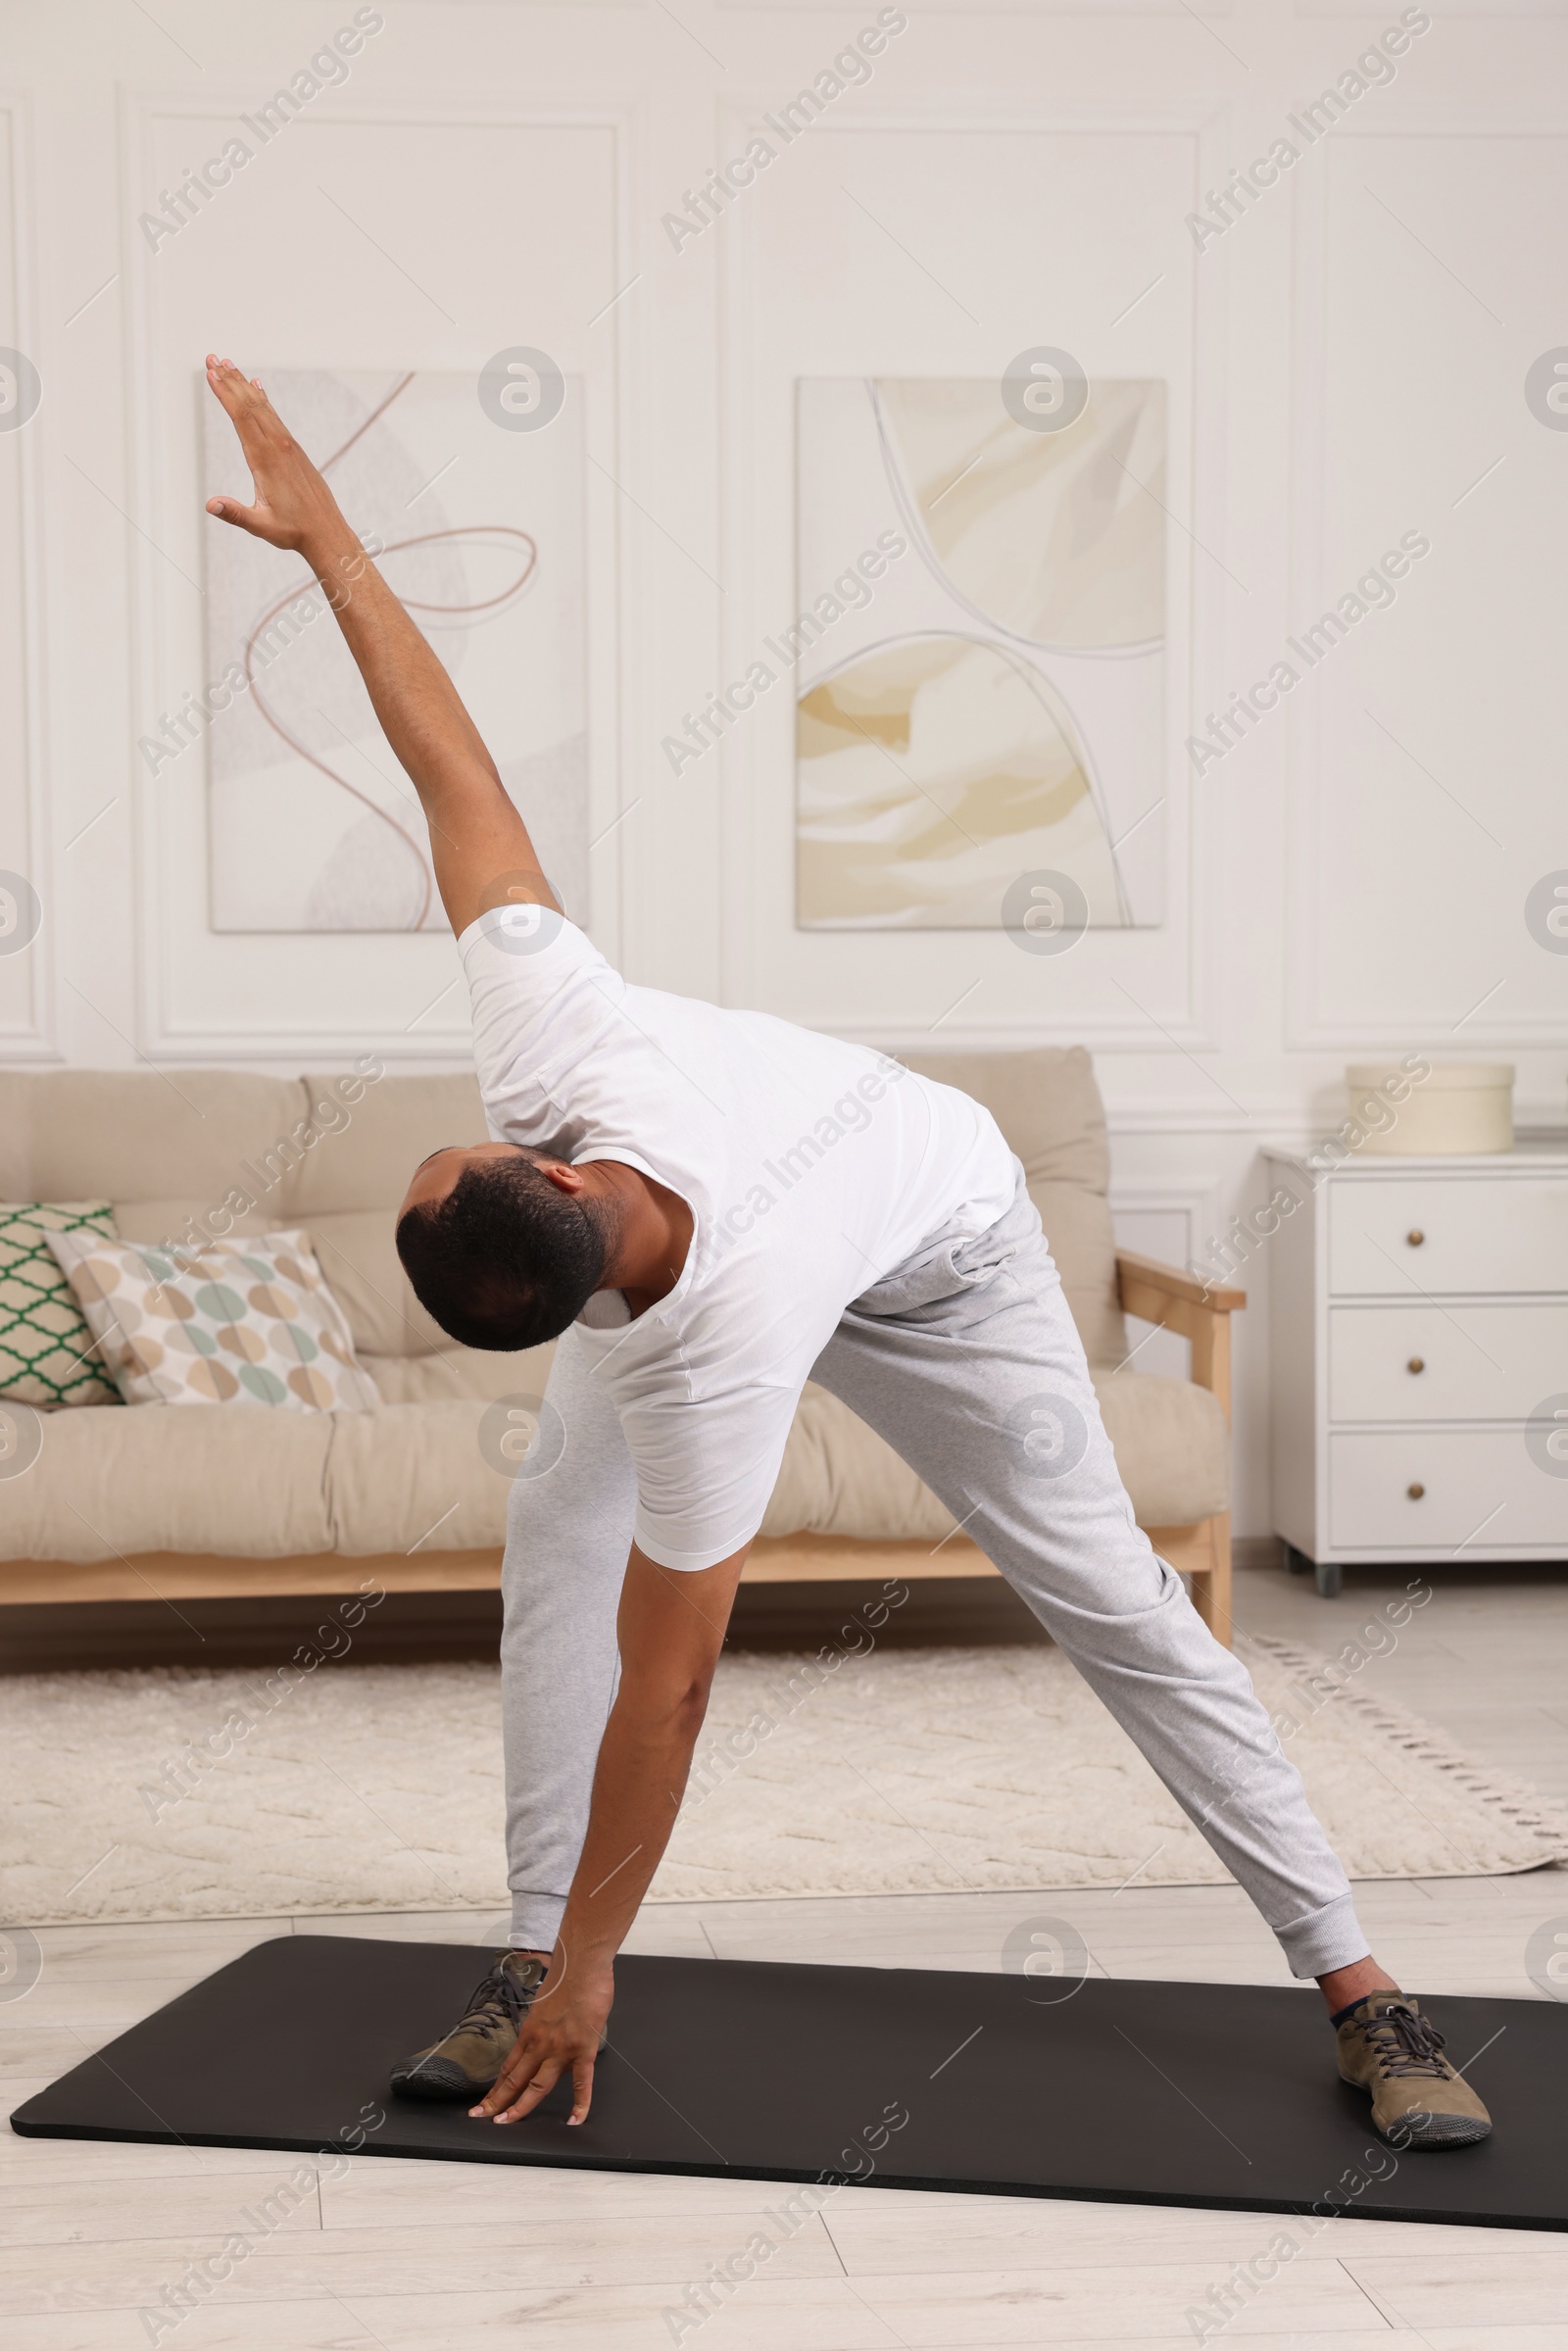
313 824
992 704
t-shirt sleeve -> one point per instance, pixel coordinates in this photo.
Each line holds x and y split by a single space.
541 994
704 1471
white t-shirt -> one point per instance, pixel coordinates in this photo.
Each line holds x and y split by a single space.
813 1168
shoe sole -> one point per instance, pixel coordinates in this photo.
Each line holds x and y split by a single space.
1420 2131
439 2082
1437 2131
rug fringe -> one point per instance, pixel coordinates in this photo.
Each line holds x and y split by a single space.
1516 1798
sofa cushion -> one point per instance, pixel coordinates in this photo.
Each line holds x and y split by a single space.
1172 1445
413 1476
137 1135
457 1372
175 1217
1047 1104
356 1251
838 1477
347 1190
108 1484
396 1122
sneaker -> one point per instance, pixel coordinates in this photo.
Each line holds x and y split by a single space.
1387 2046
466 2063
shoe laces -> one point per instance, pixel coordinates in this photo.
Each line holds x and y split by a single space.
1406 2042
499 1998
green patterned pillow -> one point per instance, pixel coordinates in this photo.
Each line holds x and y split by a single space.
47 1355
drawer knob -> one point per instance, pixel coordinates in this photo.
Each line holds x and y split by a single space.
1415 1237
1416 1491
1415 1363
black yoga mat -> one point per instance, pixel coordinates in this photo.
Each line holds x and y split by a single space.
1202 2094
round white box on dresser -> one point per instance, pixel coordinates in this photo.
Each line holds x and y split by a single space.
1458 1106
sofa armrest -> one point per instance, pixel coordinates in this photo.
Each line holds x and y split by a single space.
1195 1312
1201 1314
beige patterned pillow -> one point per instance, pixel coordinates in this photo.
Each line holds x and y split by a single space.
246 1322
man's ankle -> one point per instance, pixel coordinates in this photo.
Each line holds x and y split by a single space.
1342 1988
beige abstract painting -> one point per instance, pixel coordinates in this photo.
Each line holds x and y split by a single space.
993 703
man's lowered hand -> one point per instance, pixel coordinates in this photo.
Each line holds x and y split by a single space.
560 2035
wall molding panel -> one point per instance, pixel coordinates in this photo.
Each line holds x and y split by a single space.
1455 835
1170 1002
27 1031
182 965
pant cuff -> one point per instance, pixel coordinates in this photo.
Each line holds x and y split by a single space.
536 1921
1328 1939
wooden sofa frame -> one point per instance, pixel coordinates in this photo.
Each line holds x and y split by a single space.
1156 1293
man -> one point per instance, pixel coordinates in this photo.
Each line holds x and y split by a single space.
707 1207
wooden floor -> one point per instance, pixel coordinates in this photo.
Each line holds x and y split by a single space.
408 2255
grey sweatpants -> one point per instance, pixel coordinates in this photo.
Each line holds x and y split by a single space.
970 1365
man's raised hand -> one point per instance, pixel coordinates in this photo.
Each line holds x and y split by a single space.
293 507
475 831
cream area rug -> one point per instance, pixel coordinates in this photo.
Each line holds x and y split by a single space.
183 1794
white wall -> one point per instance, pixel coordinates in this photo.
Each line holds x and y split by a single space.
1346 363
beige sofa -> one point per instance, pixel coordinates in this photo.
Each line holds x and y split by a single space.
133 1501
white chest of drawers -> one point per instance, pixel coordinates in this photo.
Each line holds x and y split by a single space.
1418 1338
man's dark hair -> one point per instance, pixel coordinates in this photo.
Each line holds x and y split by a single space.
505 1260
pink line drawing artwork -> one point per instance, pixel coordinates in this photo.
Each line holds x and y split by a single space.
500 599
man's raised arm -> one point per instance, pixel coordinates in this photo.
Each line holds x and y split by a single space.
482 853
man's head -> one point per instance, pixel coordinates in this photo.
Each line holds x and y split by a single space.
503 1246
